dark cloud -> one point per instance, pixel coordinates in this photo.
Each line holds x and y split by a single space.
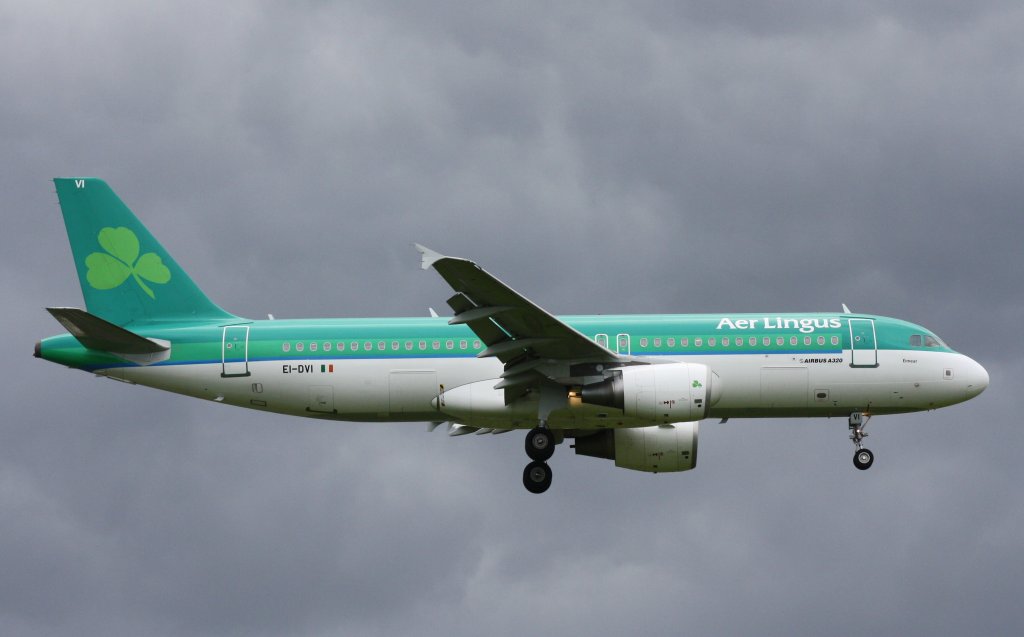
649 157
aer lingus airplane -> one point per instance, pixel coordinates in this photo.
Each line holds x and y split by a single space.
630 388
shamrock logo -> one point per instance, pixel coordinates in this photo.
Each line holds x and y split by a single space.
107 271
696 384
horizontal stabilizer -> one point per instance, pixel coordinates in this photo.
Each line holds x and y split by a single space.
95 333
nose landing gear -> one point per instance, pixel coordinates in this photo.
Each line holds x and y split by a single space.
862 457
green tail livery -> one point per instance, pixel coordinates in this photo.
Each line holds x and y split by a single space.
126 275
628 388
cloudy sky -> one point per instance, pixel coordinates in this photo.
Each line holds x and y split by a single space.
600 157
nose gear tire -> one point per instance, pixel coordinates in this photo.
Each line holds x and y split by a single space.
863 459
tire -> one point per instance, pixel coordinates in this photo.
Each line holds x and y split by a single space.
537 477
540 444
863 459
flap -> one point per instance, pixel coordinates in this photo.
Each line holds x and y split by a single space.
513 327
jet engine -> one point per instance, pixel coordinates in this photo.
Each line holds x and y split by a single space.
655 449
664 394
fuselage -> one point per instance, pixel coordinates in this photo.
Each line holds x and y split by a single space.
394 369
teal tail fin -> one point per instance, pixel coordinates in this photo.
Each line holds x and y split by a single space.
125 274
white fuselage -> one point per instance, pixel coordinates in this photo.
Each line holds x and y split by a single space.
752 385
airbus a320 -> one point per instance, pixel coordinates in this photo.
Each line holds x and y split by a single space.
628 388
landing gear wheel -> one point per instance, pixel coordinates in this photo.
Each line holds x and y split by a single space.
537 477
540 444
863 459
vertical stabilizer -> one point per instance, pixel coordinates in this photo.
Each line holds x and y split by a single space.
125 274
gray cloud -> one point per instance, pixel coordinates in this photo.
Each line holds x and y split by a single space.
642 157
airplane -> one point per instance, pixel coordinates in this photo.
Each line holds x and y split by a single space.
627 388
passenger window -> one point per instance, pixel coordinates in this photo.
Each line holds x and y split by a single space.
672 341
463 344
752 340
657 342
381 345
792 340
807 340
821 340
766 341
327 347
449 344
697 342
394 346
368 346
476 344
341 346
835 340
711 341
725 341
423 345
780 340
408 346
354 346
312 347
684 341
436 344
286 347
299 347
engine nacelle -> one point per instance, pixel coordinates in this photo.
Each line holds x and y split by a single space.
664 394
655 449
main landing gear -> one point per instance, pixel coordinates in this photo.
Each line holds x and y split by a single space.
862 457
540 445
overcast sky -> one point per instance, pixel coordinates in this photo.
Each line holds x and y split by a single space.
599 157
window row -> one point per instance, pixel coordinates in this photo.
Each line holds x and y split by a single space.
738 341
381 346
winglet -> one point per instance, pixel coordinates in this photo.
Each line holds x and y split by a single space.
846 310
429 256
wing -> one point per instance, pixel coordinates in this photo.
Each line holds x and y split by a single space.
531 342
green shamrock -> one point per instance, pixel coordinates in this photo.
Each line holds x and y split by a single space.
107 271
696 384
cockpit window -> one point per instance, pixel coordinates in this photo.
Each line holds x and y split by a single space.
925 340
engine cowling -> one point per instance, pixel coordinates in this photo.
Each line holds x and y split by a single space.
664 394
663 448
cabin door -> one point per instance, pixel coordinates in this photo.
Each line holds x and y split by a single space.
235 351
863 345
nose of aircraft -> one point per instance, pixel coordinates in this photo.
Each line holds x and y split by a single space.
976 376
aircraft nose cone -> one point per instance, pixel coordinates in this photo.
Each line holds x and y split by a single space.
977 378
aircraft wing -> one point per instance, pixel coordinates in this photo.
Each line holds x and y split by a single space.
514 330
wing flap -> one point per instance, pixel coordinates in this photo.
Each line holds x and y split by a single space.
513 327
